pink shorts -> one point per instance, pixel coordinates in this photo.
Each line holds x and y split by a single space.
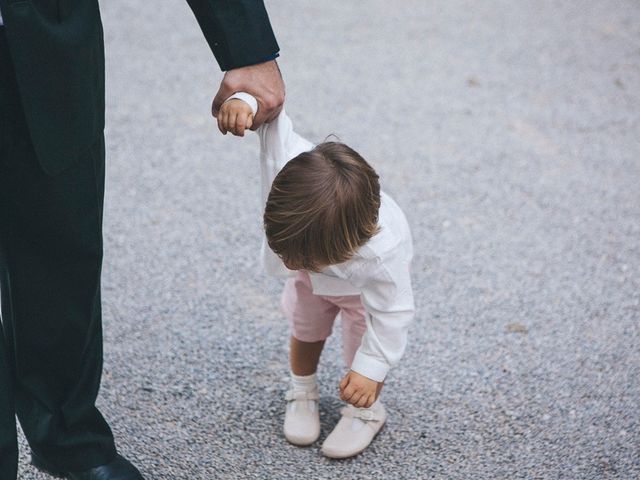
312 316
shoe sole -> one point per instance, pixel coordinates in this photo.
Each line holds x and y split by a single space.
305 443
344 457
300 444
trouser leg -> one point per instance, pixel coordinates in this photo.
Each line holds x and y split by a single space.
51 237
53 249
8 438
311 317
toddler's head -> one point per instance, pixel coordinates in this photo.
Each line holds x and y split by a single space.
323 205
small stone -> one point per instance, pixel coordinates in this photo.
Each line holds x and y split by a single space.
517 328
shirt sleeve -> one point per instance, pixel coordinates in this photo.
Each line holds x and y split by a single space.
387 297
238 32
278 144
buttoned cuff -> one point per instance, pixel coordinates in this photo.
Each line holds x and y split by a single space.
370 366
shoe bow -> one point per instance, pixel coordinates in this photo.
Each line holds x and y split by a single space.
365 414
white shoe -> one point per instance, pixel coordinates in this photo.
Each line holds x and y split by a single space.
355 430
301 419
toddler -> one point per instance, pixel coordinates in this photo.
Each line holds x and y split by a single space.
346 248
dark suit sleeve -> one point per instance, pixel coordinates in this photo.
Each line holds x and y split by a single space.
238 31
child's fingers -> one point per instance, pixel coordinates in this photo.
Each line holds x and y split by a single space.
347 393
231 122
343 395
370 400
358 399
224 115
234 117
241 122
344 382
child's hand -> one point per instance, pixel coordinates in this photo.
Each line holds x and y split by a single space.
359 390
235 116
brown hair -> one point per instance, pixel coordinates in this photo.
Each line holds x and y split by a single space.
323 205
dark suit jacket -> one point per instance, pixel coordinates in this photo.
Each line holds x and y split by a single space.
58 53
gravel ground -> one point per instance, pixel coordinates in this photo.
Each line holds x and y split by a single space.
510 133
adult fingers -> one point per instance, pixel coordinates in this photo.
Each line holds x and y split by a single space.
224 91
269 91
269 107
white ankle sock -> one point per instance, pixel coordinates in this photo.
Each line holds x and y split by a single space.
303 382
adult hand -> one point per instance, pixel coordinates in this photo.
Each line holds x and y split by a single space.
263 81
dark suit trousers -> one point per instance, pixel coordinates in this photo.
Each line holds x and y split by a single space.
50 263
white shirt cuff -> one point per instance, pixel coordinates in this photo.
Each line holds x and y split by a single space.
369 366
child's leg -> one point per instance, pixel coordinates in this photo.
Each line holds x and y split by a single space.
311 318
304 356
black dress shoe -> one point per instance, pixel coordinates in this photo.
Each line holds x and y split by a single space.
117 469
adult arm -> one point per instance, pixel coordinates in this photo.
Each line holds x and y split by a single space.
241 38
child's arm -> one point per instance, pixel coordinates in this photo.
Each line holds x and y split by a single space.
278 144
388 300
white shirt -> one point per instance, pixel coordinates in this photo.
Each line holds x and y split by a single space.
379 271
